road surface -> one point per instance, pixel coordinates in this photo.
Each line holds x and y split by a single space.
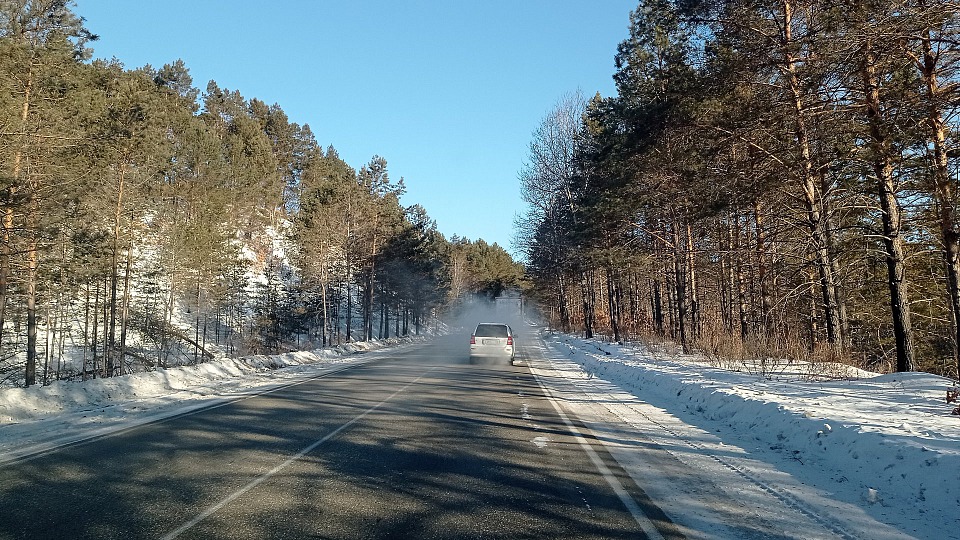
415 444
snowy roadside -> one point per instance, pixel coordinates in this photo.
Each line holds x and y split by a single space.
881 447
845 457
40 417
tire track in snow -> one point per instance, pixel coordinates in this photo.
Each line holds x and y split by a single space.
780 493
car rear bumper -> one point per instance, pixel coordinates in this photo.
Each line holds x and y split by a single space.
491 352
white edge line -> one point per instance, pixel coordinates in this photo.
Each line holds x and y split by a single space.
612 480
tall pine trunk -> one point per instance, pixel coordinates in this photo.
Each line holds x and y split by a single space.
680 286
882 163
6 249
125 311
324 334
563 309
349 313
811 191
694 293
96 327
942 183
613 303
766 299
656 306
110 365
587 297
32 265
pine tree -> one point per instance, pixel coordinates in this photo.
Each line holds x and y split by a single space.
40 46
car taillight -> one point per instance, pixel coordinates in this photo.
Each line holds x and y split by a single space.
473 340
510 340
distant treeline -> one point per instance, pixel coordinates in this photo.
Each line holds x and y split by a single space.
146 224
773 178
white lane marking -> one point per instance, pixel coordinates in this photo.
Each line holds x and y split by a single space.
541 441
27 453
607 474
254 483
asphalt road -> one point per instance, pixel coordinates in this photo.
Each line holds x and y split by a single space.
420 444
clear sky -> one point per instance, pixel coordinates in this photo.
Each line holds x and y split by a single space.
449 92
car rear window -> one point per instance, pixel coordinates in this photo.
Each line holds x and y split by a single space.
491 330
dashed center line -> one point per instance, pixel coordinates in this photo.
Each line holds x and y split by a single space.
259 480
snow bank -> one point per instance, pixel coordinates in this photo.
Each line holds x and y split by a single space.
892 436
25 404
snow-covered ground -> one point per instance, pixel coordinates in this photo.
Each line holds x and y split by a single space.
884 451
873 457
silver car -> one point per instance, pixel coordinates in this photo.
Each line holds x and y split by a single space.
492 340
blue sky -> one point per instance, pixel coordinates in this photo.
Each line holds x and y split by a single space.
448 91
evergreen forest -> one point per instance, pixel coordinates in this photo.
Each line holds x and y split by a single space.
146 224
773 179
